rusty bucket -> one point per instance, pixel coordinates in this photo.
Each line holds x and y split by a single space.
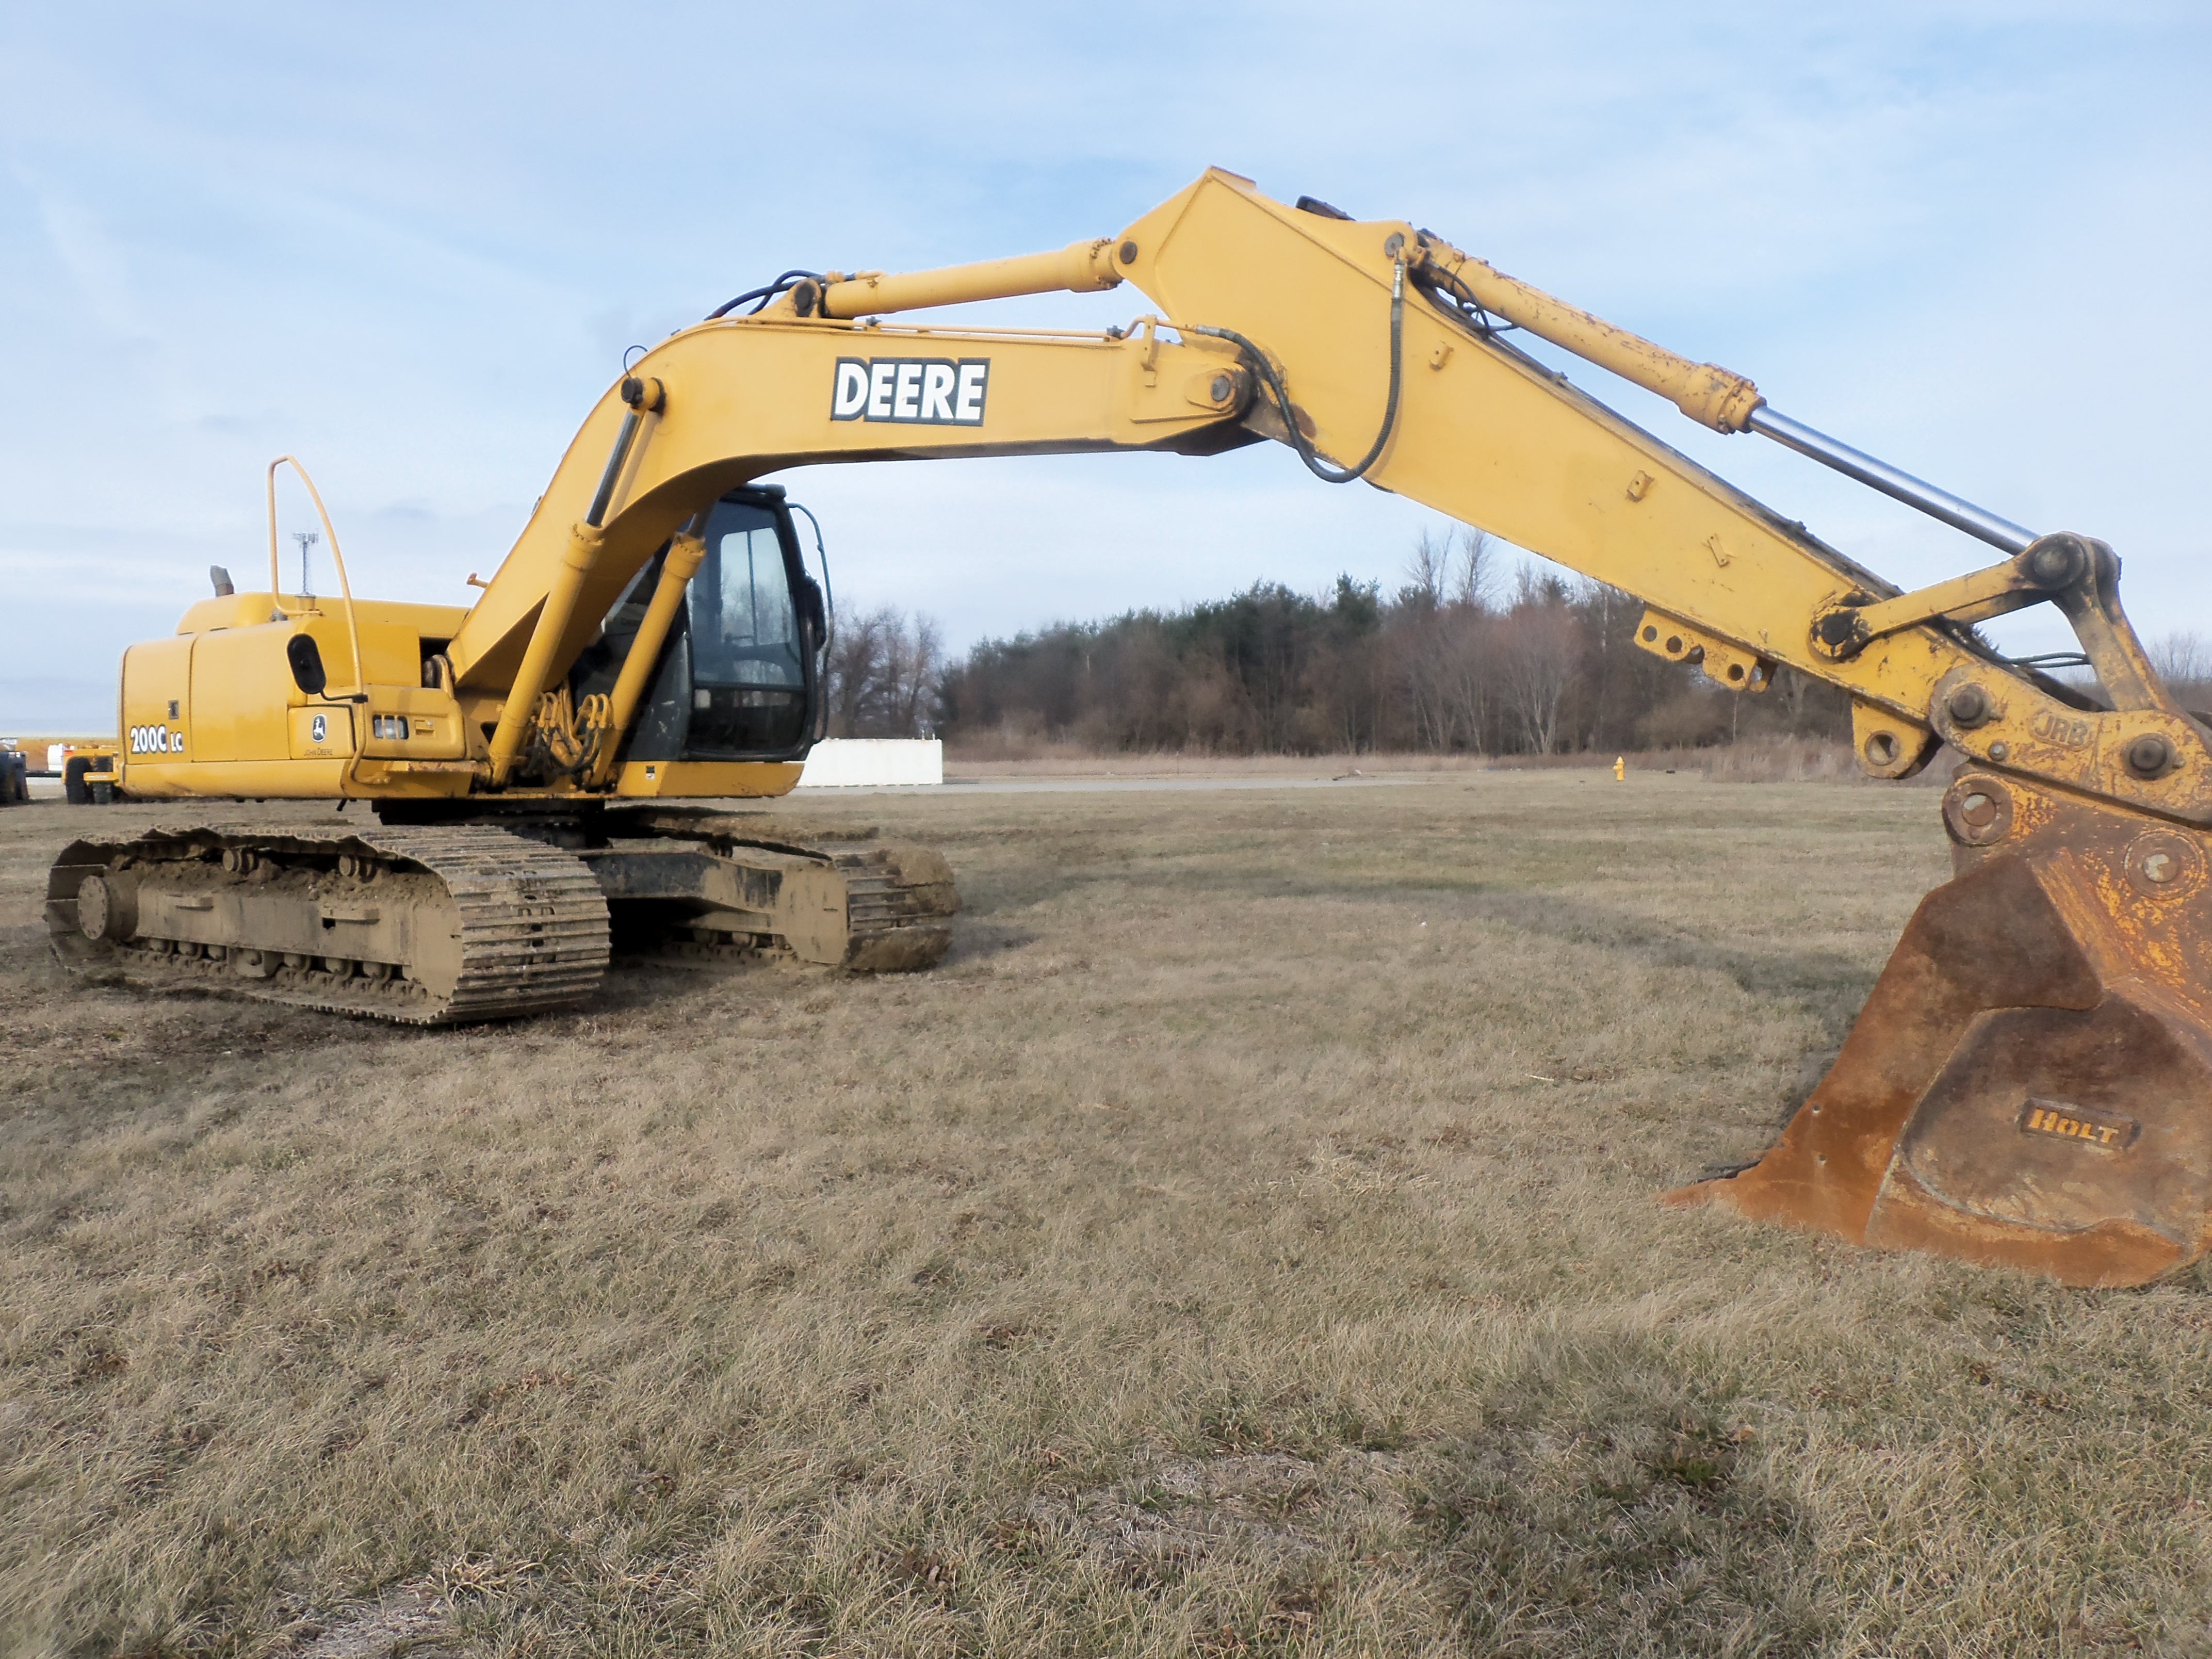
2030 1083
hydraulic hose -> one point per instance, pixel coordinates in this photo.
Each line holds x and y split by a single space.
1273 381
763 294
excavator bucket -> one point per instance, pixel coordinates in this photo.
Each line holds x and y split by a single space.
2030 1083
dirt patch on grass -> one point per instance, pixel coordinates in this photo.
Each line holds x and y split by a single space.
1259 1507
410 1622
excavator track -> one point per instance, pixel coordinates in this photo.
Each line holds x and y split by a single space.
422 926
891 911
704 889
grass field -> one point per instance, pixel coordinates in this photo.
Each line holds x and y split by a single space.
1246 1242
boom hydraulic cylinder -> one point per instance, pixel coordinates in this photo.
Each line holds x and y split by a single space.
519 711
686 554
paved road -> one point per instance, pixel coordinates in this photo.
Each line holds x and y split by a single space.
50 788
1100 785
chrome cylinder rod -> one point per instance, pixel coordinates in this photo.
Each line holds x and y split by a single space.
604 496
1913 492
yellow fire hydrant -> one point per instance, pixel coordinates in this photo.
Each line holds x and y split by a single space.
1620 769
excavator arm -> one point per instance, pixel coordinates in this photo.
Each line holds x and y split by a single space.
2031 1081
1374 336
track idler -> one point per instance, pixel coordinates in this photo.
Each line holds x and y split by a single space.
2031 1082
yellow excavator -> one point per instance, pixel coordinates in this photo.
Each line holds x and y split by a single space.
2030 1082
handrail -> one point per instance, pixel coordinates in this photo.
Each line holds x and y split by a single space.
275 589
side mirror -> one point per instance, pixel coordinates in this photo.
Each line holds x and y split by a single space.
307 659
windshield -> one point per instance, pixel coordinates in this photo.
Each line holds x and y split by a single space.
745 631
747 660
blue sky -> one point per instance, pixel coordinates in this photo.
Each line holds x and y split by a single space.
408 244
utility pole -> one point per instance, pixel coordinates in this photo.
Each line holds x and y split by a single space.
306 538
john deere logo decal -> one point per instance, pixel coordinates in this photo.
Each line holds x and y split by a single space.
911 390
317 729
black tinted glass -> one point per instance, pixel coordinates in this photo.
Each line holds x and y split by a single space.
748 668
745 629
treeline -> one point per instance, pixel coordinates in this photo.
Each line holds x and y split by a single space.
1463 657
2184 661
883 676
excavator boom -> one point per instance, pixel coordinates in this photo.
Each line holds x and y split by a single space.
2031 1080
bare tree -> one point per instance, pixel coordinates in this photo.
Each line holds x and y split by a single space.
1428 571
2184 661
1436 658
1536 648
1416 658
884 673
1477 586
1463 674
913 663
853 671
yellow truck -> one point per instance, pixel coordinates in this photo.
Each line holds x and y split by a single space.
87 766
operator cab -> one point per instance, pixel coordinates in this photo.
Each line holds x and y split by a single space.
739 677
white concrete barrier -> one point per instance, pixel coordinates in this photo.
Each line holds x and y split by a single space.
852 762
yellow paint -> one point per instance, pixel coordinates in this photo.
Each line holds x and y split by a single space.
288 779
1079 268
684 555
225 727
1728 665
555 611
708 779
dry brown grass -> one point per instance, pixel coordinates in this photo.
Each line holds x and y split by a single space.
1244 1242
1069 762
1754 760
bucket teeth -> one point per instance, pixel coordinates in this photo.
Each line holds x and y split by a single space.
2030 1083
